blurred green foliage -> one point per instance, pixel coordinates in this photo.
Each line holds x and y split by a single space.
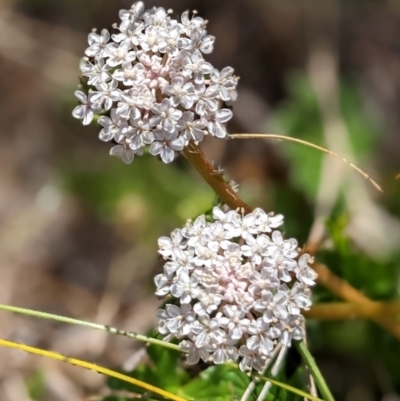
159 196
299 116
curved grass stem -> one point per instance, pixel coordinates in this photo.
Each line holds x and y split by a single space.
311 145
91 366
112 330
314 370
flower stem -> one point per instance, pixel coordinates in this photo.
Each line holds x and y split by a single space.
214 178
112 330
315 372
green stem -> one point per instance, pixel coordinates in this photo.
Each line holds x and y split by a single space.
112 330
314 370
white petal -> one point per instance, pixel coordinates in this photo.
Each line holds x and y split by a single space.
88 117
224 115
167 155
81 96
155 148
79 112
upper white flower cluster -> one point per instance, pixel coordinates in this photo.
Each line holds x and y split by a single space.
237 288
151 84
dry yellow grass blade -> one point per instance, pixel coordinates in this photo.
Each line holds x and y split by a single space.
311 145
90 366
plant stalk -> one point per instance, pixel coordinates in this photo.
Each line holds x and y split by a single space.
214 178
112 330
314 370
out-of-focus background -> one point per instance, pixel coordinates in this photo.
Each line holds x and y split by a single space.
78 228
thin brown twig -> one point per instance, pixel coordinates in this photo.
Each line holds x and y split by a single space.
353 310
344 290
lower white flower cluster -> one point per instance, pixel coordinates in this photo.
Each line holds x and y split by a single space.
236 288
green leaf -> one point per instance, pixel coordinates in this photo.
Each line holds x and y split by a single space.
219 383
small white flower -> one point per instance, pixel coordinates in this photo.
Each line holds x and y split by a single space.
191 129
254 247
140 133
207 331
181 92
130 74
112 127
129 104
305 273
194 231
167 246
260 337
165 116
293 330
98 44
157 17
201 41
97 72
225 351
124 152
288 248
216 121
133 14
272 305
206 100
163 284
235 321
225 83
195 66
128 32
120 54
178 320
86 110
194 353
169 42
165 144
209 301
185 288
251 359
191 24
150 39
263 280
106 94
267 221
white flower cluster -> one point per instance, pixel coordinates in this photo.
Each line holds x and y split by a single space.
236 288
152 86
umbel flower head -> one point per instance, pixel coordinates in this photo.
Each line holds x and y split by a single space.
151 84
236 288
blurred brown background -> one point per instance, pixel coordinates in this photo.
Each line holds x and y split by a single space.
78 228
